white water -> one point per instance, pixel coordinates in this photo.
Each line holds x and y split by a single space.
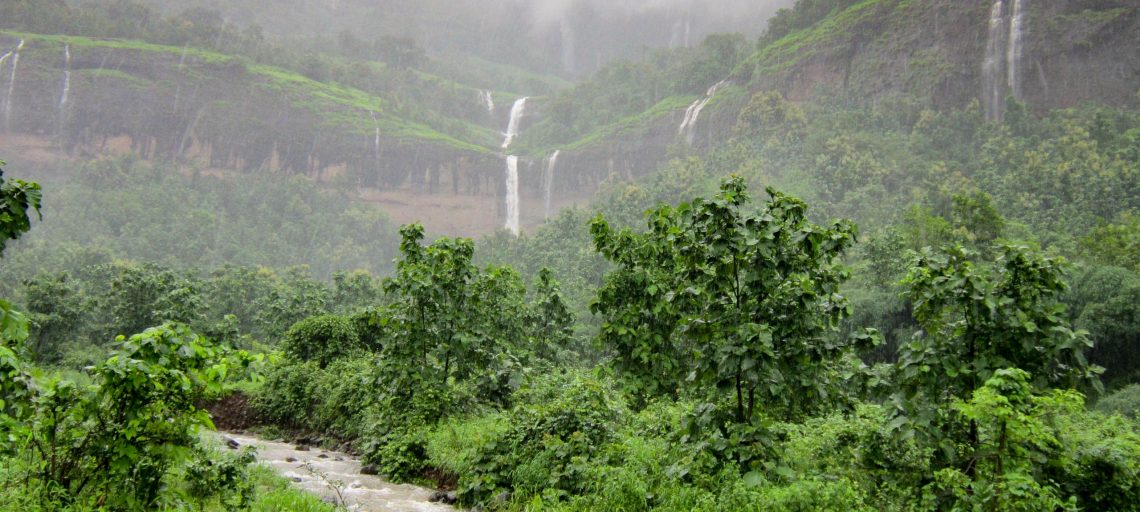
488 101
513 194
66 79
11 87
333 476
517 111
694 111
1013 53
548 181
182 59
992 86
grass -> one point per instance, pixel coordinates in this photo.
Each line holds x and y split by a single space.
786 52
275 493
620 127
339 107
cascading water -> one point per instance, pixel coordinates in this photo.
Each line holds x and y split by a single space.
992 86
11 87
66 79
548 181
513 194
694 111
512 198
182 58
513 125
1013 54
488 101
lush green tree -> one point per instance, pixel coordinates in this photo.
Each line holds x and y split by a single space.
975 321
118 440
728 298
57 308
550 321
18 200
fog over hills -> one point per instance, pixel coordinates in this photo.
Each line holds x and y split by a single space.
573 37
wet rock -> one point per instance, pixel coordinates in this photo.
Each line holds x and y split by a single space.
338 459
323 456
302 448
231 444
447 498
290 459
369 469
298 479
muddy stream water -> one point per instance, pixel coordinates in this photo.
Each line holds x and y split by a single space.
336 477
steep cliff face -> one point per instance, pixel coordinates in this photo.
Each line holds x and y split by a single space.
934 51
227 114
1072 51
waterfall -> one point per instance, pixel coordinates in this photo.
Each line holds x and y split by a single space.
992 86
11 87
569 47
1013 55
694 111
513 194
488 101
376 140
66 79
513 166
513 125
182 59
548 181
675 39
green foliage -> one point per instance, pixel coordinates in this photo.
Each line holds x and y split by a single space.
286 398
730 300
1013 437
1124 401
17 198
975 322
221 477
550 320
118 440
551 442
322 339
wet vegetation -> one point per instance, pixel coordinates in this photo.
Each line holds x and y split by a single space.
865 297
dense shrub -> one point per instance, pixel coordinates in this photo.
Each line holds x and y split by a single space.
321 339
286 398
558 431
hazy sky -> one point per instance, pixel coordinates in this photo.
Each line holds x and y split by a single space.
546 11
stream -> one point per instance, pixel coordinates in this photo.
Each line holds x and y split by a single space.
325 472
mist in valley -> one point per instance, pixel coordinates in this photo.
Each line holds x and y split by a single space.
569 255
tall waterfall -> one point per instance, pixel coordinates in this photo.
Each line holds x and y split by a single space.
376 140
569 47
66 79
11 87
1013 53
182 58
513 125
694 111
488 101
992 85
512 198
548 181
513 194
